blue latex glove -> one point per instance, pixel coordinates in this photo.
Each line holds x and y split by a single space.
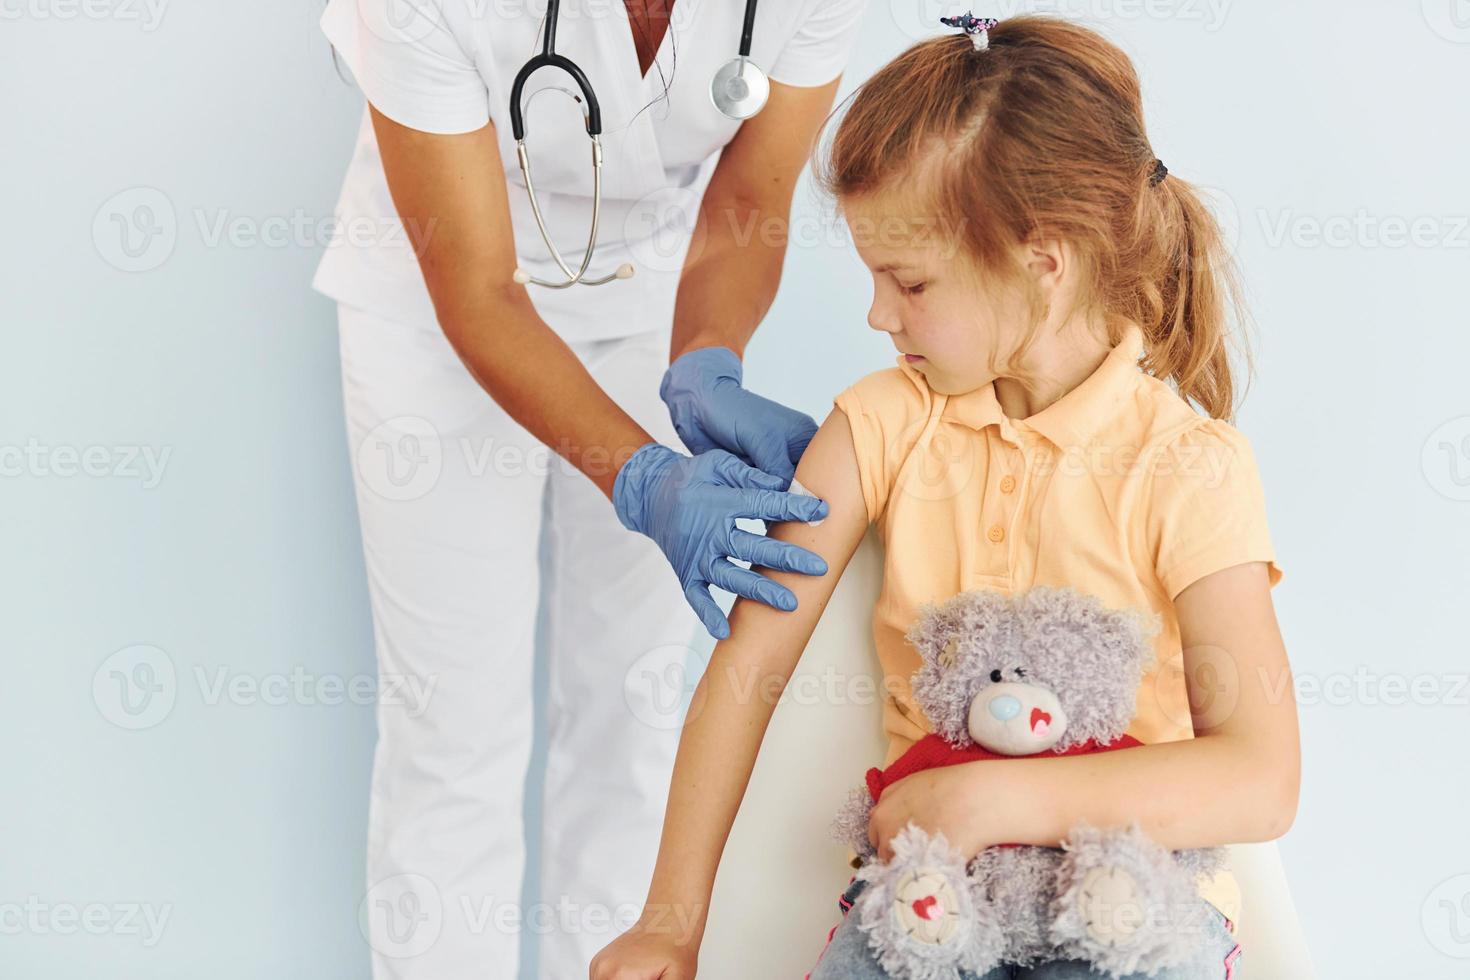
711 410
688 506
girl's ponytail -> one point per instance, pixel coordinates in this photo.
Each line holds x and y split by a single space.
1187 294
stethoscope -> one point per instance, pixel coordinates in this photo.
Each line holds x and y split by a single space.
739 90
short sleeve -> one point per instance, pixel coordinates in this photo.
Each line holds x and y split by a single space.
886 411
409 62
818 51
1208 509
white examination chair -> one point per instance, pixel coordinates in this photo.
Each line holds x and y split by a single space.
775 899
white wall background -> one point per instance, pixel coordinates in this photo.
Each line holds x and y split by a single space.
1337 132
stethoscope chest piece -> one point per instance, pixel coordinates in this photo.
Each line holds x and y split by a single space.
739 89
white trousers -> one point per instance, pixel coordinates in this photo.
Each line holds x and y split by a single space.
450 496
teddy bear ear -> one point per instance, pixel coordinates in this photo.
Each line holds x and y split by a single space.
950 653
933 632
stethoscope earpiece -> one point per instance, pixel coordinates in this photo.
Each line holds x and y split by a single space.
624 271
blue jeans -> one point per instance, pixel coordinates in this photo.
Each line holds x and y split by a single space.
847 956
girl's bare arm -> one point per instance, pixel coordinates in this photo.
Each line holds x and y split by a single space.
735 698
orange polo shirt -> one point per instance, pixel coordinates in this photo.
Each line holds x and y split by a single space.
1119 489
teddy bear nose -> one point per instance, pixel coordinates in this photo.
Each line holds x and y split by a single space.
1005 707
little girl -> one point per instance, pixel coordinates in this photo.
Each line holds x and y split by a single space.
1058 301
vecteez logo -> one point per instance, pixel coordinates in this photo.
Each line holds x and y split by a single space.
1450 19
135 230
401 459
402 916
1446 459
1445 917
147 14
136 687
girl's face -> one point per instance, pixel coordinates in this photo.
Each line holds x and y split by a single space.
954 324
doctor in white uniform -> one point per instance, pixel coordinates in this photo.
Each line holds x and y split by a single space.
456 380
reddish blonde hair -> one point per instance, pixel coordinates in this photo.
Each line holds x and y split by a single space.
1042 134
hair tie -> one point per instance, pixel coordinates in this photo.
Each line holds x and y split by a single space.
1160 172
976 27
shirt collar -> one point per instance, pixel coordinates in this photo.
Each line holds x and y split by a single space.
1072 419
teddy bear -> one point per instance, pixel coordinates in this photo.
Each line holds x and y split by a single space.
1045 672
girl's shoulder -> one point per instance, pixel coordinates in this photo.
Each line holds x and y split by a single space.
1160 416
1166 428
894 394
887 412
1204 505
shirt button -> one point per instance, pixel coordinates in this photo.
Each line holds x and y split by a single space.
1007 483
996 533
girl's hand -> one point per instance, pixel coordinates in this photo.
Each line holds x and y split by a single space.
941 801
647 952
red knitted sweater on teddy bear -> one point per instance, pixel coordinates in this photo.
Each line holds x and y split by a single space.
933 751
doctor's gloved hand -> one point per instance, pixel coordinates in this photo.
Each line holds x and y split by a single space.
711 410
688 506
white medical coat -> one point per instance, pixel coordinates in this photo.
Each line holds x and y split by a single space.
446 66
